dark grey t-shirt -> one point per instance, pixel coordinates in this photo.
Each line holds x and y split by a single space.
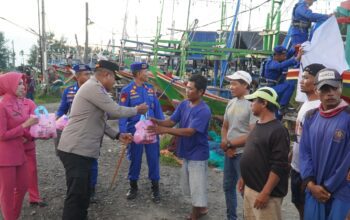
239 116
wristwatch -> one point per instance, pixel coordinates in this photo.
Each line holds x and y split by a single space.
229 145
117 136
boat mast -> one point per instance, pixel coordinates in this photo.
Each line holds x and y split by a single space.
122 42
155 45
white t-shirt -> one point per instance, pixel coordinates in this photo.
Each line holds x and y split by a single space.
308 105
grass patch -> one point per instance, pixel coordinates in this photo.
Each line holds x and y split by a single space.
169 161
44 99
165 141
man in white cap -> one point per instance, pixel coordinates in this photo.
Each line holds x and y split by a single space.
238 121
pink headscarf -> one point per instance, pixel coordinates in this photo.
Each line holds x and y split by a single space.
9 83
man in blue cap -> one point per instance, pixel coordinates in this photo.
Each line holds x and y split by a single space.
138 92
274 74
82 73
302 17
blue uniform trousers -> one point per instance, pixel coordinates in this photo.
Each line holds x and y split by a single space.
94 173
135 155
299 38
285 91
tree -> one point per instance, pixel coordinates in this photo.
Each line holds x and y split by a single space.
34 56
4 53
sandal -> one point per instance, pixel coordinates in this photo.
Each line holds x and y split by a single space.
204 212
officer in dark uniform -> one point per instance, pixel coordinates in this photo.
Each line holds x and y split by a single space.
82 74
137 92
274 74
302 17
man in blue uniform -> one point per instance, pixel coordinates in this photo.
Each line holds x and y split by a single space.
82 74
302 17
325 151
274 74
138 92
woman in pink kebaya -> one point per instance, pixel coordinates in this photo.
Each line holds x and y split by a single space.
15 121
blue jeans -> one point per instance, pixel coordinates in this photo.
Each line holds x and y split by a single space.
231 176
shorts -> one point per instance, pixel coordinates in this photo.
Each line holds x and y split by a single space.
298 191
194 181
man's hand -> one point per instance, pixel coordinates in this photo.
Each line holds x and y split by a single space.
142 108
261 200
155 121
230 152
125 138
30 121
318 192
223 145
240 186
157 129
300 54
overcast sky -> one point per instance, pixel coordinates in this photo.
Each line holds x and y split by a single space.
67 18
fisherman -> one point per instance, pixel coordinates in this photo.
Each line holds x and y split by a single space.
81 139
325 151
264 163
193 116
137 92
302 17
274 74
307 87
238 121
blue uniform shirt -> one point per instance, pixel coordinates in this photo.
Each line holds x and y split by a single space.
274 69
303 14
133 95
67 99
195 147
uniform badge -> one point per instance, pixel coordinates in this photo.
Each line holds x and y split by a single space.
123 97
339 135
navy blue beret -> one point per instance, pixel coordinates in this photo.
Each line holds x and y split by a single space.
138 66
279 50
81 67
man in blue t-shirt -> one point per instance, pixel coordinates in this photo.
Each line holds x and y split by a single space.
193 116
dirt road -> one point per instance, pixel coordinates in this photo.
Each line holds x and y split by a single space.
112 203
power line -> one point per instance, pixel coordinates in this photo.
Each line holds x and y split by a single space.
30 30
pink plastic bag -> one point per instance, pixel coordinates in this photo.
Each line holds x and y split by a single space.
62 122
141 135
46 128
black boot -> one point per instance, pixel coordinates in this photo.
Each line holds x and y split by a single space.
93 198
132 193
155 192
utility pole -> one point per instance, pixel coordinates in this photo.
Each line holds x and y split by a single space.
78 49
86 33
13 55
250 15
40 40
43 46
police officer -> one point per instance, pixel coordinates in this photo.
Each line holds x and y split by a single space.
137 92
81 139
302 17
274 74
82 73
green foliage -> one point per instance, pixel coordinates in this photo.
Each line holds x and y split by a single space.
44 99
168 161
33 56
4 53
165 141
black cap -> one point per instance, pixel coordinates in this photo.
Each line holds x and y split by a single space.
328 77
110 66
314 68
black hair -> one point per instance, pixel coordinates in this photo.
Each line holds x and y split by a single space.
200 82
270 106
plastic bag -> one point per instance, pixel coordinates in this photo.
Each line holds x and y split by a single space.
46 128
141 135
62 122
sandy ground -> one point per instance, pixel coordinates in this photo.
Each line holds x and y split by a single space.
112 203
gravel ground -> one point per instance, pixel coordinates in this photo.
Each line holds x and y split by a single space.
112 203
